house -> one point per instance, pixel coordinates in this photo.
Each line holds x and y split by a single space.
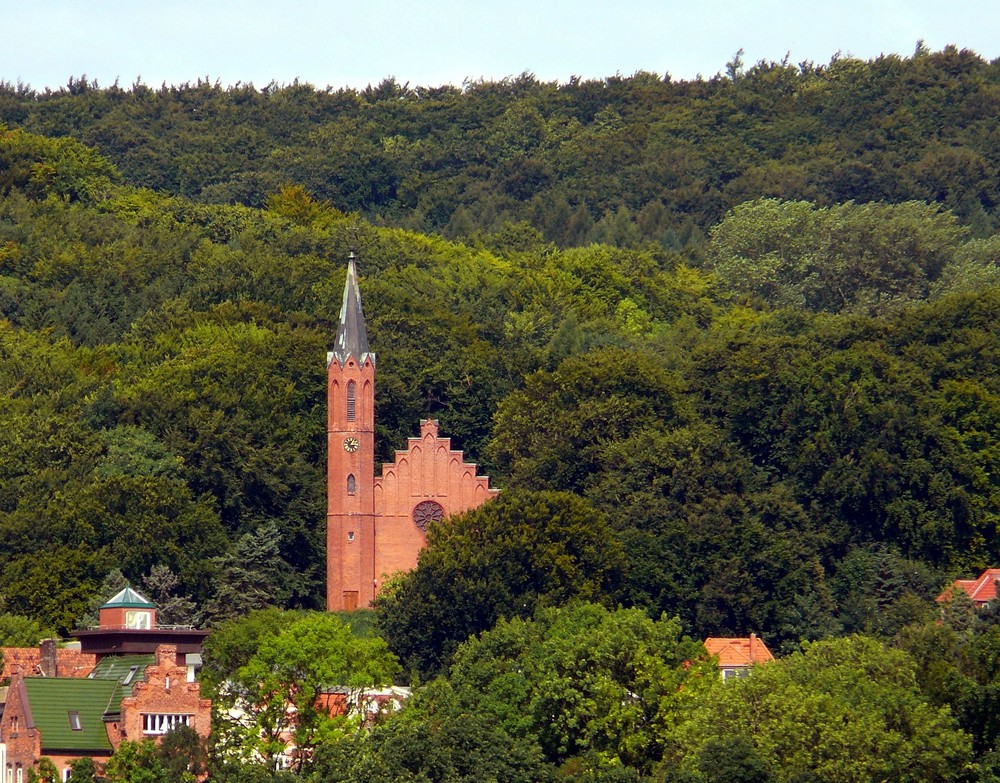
124 680
369 704
737 654
376 526
980 590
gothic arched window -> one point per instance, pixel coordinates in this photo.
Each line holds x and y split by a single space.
351 484
351 403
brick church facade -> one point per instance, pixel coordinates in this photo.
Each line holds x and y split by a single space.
376 526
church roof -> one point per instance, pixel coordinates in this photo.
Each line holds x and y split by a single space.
352 337
128 598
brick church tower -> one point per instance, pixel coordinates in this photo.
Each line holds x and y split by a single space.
376 527
350 484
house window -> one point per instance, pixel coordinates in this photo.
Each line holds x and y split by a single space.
20 774
130 676
350 536
66 773
161 723
74 721
351 402
352 485
138 621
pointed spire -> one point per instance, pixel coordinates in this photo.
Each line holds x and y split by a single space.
352 337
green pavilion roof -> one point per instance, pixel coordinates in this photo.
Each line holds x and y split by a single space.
130 599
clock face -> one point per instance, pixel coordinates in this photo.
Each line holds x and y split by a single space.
351 444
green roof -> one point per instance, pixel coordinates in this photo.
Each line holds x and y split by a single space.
129 598
52 699
118 668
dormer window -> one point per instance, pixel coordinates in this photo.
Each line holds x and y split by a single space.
130 676
138 620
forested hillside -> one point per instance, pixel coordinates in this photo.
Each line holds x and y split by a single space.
730 347
619 160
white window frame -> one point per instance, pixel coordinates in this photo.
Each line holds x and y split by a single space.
139 620
158 723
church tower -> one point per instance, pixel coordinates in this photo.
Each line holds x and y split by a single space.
350 519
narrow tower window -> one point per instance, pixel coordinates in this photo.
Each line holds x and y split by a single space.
351 407
351 484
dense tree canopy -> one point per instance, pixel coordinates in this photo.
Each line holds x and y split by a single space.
503 559
617 160
729 347
843 710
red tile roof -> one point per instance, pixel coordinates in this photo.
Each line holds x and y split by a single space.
981 590
71 663
738 650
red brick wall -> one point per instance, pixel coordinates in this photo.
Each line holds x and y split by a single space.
63 762
350 522
429 469
24 744
371 534
114 616
163 690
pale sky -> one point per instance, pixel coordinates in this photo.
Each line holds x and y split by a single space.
425 43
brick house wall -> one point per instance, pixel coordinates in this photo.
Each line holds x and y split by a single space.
163 691
23 740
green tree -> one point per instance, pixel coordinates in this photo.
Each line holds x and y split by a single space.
507 557
553 433
232 643
83 770
860 257
585 680
441 733
161 586
44 771
182 755
139 762
19 631
842 710
277 692
249 578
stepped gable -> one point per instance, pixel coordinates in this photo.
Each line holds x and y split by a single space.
376 527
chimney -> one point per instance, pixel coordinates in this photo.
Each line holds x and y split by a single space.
48 663
753 648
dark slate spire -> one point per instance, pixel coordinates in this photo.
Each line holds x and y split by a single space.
352 337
